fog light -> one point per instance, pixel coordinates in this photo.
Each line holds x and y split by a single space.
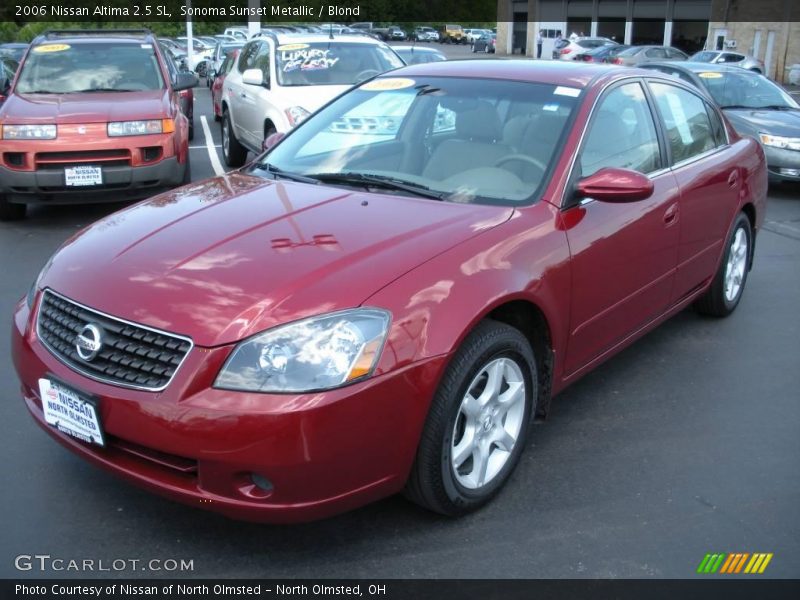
261 482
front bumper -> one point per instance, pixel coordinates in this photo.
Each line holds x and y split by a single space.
47 186
324 453
782 164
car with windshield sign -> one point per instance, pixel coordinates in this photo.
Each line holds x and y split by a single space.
755 106
280 79
385 299
91 112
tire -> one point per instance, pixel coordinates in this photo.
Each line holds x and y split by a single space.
486 49
269 129
727 287
191 128
232 151
10 211
439 480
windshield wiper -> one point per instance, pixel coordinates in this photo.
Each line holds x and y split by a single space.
735 106
777 107
278 172
38 92
383 181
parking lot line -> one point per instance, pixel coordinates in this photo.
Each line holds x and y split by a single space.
212 151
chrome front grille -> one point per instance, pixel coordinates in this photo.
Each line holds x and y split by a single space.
131 355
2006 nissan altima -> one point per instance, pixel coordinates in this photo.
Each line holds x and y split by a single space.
385 299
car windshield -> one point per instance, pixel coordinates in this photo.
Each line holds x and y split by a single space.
462 140
745 90
332 63
631 51
59 68
703 57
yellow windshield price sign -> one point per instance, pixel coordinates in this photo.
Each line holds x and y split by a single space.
390 83
44 49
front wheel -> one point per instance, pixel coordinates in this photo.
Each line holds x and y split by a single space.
727 287
478 422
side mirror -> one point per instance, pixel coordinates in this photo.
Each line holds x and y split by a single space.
254 77
615 185
184 81
272 141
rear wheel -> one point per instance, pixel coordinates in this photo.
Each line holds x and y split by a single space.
10 211
727 287
232 151
478 422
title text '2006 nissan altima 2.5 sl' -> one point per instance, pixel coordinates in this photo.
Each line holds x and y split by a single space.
386 298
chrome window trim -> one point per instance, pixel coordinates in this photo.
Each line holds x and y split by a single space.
93 376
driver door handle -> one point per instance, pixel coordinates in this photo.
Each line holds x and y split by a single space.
671 215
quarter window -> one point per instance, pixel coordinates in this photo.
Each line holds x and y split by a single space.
622 134
687 123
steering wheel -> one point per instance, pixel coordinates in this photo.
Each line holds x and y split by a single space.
523 158
366 74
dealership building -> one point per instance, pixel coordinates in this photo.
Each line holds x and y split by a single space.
690 25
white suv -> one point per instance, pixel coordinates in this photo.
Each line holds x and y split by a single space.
280 79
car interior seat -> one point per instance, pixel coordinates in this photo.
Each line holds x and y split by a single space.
477 144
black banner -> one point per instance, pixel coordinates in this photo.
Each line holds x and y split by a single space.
391 589
241 11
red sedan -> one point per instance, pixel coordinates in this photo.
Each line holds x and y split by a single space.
385 299
219 79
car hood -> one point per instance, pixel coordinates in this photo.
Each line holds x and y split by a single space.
228 257
96 107
774 122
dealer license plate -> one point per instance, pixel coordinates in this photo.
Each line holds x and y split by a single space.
65 410
79 176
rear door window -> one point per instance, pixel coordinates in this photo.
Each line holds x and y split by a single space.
689 129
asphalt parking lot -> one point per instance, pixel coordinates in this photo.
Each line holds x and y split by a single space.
686 443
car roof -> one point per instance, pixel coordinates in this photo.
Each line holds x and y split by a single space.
418 49
123 38
700 67
566 73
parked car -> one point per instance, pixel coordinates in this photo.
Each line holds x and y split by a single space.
13 50
280 80
221 51
414 55
451 34
601 54
425 34
486 43
638 55
472 35
185 96
219 79
726 57
240 33
396 34
368 310
201 57
174 52
755 106
91 112
568 49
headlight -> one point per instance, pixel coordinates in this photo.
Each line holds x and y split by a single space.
296 115
779 141
29 132
34 288
319 353
122 128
